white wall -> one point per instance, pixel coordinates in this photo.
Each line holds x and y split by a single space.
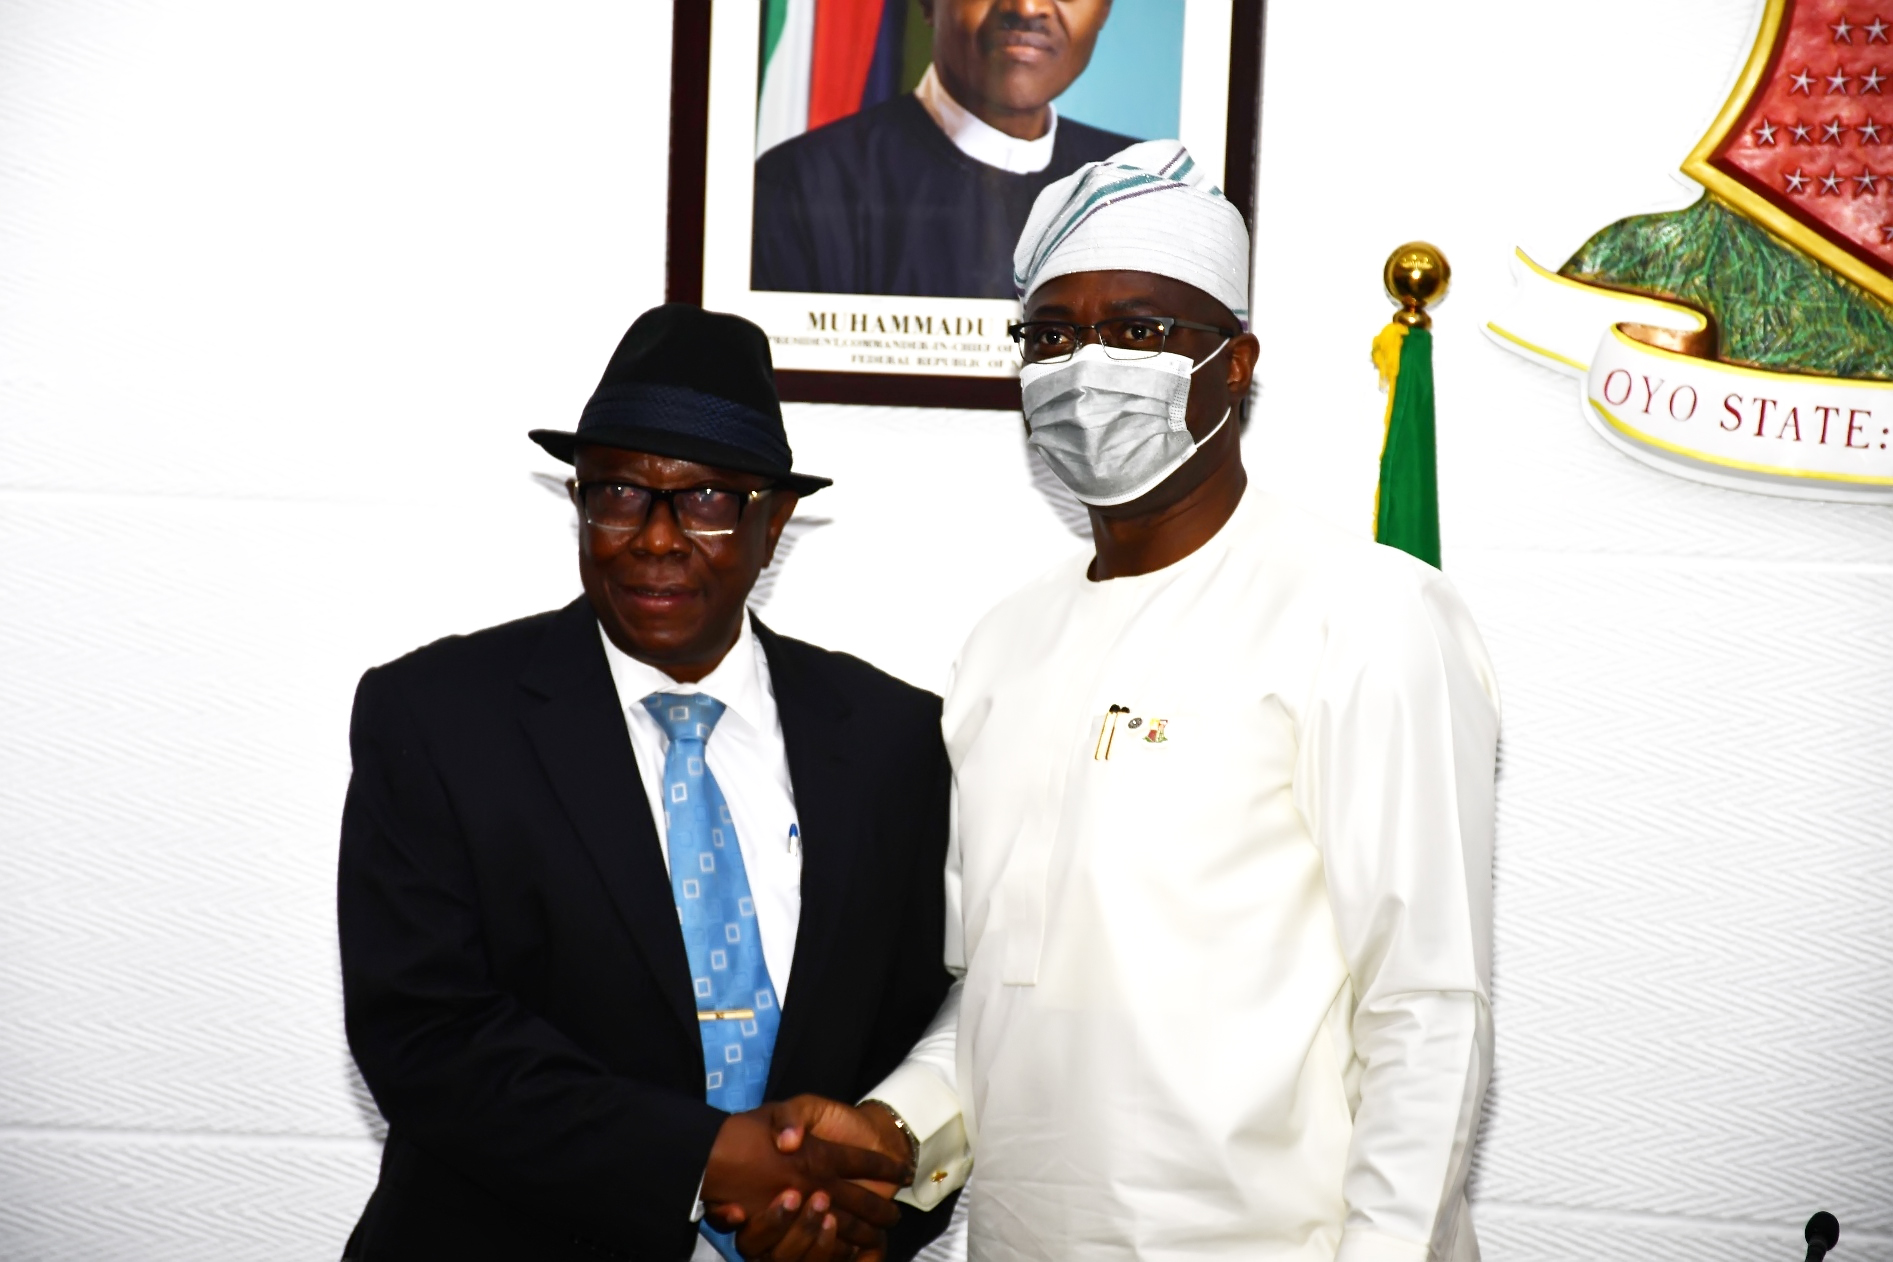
281 289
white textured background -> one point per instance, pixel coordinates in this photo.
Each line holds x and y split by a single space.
282 286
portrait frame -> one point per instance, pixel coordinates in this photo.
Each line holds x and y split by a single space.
711 41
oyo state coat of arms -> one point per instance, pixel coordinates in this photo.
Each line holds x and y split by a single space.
1747 340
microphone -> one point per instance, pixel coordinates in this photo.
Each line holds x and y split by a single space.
1823 1233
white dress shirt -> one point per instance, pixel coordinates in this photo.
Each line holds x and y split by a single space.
980 140
747 756
1224 955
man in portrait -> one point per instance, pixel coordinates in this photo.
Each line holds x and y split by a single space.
927 193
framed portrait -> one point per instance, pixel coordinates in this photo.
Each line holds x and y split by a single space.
852 175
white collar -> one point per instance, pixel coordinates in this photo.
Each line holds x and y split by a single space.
737 681
980 140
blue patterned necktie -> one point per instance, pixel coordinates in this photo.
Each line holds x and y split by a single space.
736 1001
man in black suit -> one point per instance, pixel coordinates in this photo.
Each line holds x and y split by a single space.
568 986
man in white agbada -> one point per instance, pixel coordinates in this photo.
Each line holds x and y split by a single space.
1225 807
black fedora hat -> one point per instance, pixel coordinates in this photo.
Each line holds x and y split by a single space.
693 385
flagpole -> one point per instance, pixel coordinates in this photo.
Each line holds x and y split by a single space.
1406 502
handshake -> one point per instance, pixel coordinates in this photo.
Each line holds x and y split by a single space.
808 1180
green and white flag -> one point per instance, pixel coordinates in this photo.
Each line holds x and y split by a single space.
788 46
1406 508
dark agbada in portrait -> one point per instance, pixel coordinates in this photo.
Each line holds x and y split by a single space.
926 194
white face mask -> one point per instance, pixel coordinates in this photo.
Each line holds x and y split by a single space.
1112 429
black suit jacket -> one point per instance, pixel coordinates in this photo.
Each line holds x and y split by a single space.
516 987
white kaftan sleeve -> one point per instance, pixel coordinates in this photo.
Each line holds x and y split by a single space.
1395 778
924 1088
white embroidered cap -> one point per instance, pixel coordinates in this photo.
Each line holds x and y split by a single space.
1147 208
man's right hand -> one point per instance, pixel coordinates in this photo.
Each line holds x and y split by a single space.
870 1125
748 1172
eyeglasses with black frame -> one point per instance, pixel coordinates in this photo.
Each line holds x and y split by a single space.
699 511
1127 337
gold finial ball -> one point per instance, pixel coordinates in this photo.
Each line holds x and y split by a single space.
1416 277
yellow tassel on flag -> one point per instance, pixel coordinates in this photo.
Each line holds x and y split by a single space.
1386 353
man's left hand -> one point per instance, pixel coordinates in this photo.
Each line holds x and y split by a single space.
798 1229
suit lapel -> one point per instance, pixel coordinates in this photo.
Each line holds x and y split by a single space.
582 743
818 736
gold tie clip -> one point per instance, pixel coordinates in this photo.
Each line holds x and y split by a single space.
726 1014
1107 733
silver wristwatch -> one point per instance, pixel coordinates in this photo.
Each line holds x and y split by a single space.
900 1124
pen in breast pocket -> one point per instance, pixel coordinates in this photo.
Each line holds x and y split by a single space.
795 840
